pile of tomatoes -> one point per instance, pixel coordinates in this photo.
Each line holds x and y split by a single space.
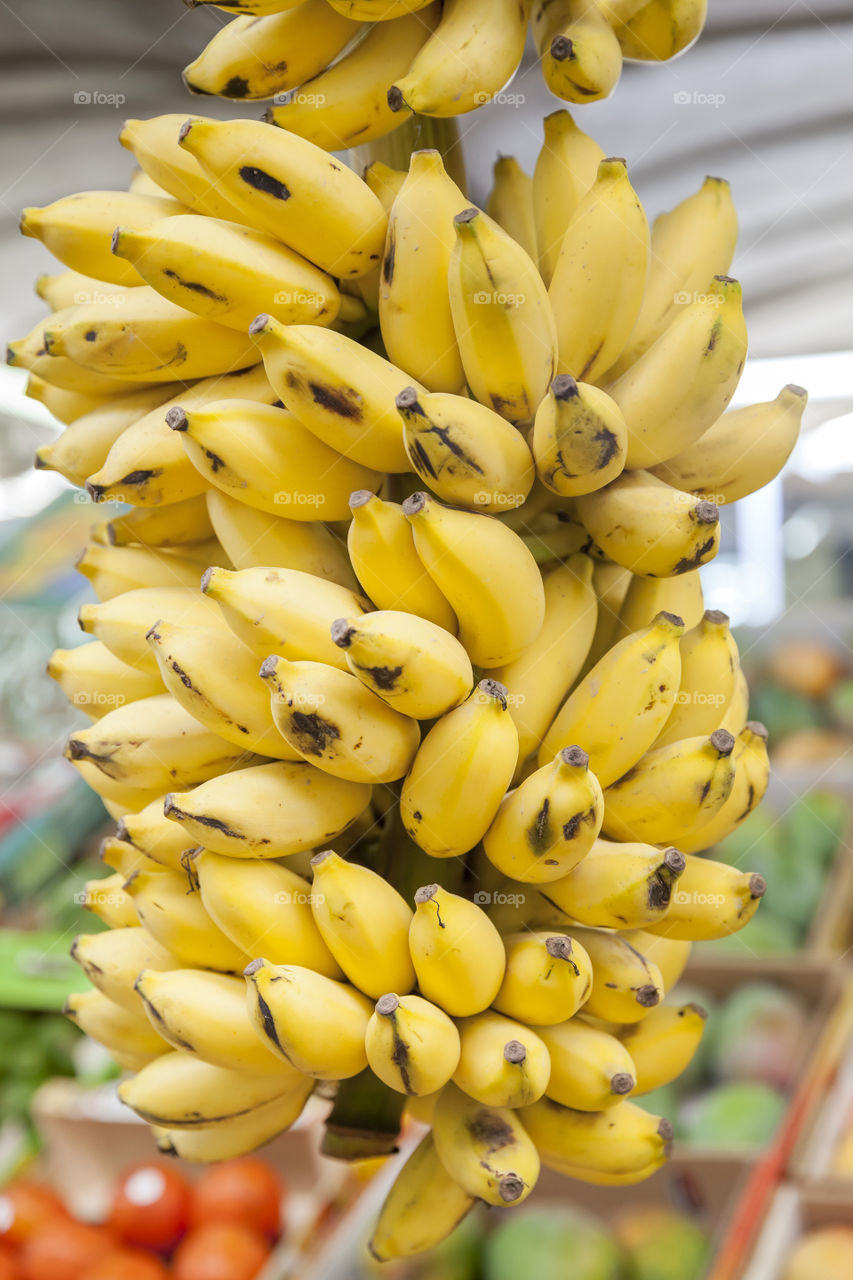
160 1227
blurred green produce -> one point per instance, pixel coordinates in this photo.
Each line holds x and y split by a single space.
661 1244
737 1114
540 1242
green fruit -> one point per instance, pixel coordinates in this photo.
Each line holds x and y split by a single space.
541 1242
757 1035
816 824
739 1115
661 1244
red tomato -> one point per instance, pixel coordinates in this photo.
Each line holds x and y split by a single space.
127 1264
248 1192
63 1250
151 1207
24 1208
220 1251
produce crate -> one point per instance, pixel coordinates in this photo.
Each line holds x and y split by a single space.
831 1114
793 1213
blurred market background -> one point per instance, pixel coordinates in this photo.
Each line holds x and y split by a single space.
765 1115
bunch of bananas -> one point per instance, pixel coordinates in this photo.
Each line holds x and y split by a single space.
402 688
345 72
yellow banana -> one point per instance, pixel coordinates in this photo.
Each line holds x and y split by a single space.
611 582
502 1063
590 1069
123 621
268 811
655 31
114 959
622 1139
179 1091
70 288
734 716
31 353
742 451
580 56
548 978
650 528
106 898
172 912
127 1034
311 1022
422 1208
668 954
511 206
626 982
752 775
124 858
502 318
292 190
84 445
253 538
712 901
118 798
149 831
620 707
239 1136
154 145
664 1043
418 668
487 574
709 665
457 952
377 10
95 681
412 1045
618 886
647 597
112 571
66 407
382 550
460 772
485 1149
171 525
579 438
565 170
250 6
671 790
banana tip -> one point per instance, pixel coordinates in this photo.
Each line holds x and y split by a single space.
723 741
514 1052
360 498
252 967
675 861
560 947
562 49
564 387
342 633
177 418
495 690
575 756
510 1188
647 996
757 886
426 892
415 503
621 1083
395 98
260 324
268 666
386 1005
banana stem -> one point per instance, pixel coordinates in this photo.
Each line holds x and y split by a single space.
418 133
365 1120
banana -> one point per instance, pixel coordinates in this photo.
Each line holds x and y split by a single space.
669 954
655 31
565 170
590 1069
475 49
549 823
608 225
689 244
214 677
179 1091
70 288
422 1208
412 1045
752 775
626 982
127 1034
112 571
713 900
548 978
148 339
226 271
106 898
579 54
742 451
253 538
249 6
621 1139
154 145
149 831
457 952
460 773
265 457
170 908
171 525
311 1022
485 1149
510 204
292 190
283 611
560 649
148 465
502 318
611 582
502 1063
382 550
650 528
84 445
664 1043
78 229
486 573
346 105
418 668
385 182
620 707
122 857
377 10
66 407
709 665
118 798
647 597
329 718
413 281
263 906
680 386
258 55
618 886
123 621
579 438
95 681
269 811
113 960
31 353
671 790
238 1136
153 743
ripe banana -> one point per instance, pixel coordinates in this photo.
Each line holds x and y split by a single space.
625 982
590 1069
502 1063
742 451
485 1149
292 190
66 407
486 573
647 597
311 1022
713 900
548 978
618 886
621 1139
170 908
621 705
124 858
173 525
457 952
657 31
579 438
668 954
70 288
106 898
240 1135
113 960
253 538
549 823
709 665
752 775
510 204
671 790
461 770
335 722
122 622
664 1043
502 318
112 571
580 56
154 146
127 1034
149 831
412 1045
182 1092
84 445
422 1208
95 681
565 170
